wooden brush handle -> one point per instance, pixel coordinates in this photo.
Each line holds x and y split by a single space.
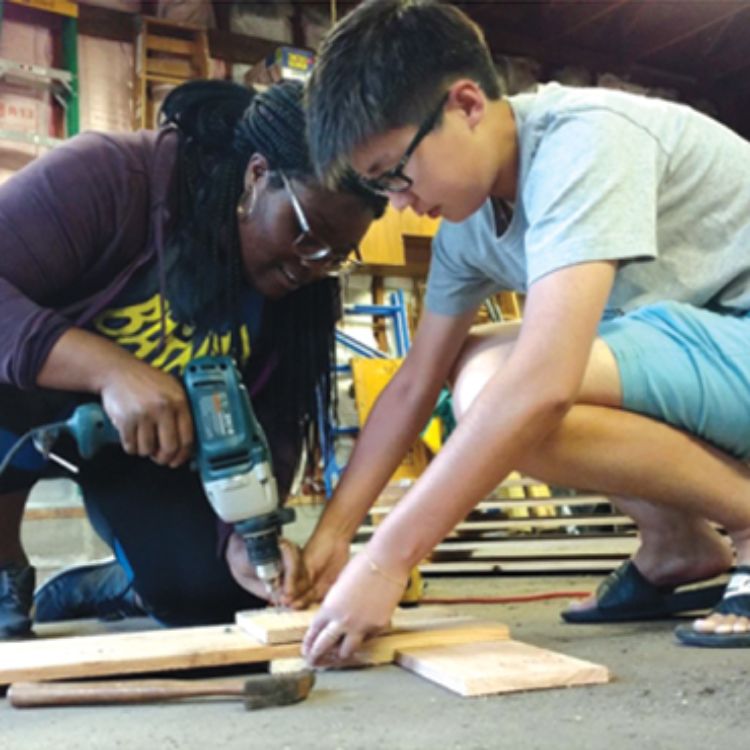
34 694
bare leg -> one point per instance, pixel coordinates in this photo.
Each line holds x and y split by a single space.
601 447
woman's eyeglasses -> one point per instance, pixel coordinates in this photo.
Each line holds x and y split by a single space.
312 251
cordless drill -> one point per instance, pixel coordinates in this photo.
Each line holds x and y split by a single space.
232 457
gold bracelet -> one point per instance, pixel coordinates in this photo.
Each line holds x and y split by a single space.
375 568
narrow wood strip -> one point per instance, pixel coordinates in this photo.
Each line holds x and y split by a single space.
503 567
558 522
172 68
272 627
53 513
522 502
173 46
553 547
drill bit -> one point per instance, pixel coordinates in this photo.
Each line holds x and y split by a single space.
273 587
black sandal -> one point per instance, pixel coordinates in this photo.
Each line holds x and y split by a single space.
626 596
736 601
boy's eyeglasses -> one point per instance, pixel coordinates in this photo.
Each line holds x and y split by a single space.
312 251
394 180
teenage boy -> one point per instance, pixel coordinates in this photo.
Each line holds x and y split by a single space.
626 221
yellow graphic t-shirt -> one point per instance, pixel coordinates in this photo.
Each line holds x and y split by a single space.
138 328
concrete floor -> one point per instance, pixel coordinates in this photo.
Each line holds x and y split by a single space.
664 696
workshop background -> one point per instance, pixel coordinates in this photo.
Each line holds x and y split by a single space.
66 67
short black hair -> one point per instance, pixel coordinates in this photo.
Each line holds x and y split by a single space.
384 66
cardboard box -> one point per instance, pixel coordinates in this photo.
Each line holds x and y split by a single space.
283 64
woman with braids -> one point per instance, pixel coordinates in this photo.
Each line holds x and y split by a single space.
124 257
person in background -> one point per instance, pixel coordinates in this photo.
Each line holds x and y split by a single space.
124 257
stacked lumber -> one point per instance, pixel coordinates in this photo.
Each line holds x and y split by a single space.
464 655
524 527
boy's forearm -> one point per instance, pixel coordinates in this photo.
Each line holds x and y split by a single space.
394 423
484 448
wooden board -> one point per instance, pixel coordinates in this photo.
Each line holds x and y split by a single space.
502 567
187 648
269 626
521 525
384 648
541 547
386 503
131 653
474 669
272 627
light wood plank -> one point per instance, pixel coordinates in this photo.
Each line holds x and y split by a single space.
180 69
272 627
383 649
503 567
132 653
187 648
473 669
53 513
503 505
511 524
394 492
172 45
571 546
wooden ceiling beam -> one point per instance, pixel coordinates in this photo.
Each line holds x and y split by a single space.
106 23
504 42
239 48
685 26
720 36
567 17
119 26
739 63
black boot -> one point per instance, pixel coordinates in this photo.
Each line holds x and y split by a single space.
16 595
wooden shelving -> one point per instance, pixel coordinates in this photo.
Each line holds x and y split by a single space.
518 531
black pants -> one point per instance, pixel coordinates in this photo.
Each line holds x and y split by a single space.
157 520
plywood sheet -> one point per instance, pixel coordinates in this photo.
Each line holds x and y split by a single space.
487 668
271 626
187 648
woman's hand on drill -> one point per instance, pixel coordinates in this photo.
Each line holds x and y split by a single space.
296 591
151 412
148 407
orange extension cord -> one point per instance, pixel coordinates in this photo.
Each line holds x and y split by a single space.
506 599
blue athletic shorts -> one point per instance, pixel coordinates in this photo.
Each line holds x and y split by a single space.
688 367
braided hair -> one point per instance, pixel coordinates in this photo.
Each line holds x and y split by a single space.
221 125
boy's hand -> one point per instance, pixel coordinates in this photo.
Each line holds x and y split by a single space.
296 590
358 606
325 556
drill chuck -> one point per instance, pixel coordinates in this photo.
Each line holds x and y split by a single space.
261 537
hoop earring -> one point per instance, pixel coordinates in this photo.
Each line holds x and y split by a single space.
243 209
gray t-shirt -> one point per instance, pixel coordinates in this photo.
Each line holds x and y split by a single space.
607 175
